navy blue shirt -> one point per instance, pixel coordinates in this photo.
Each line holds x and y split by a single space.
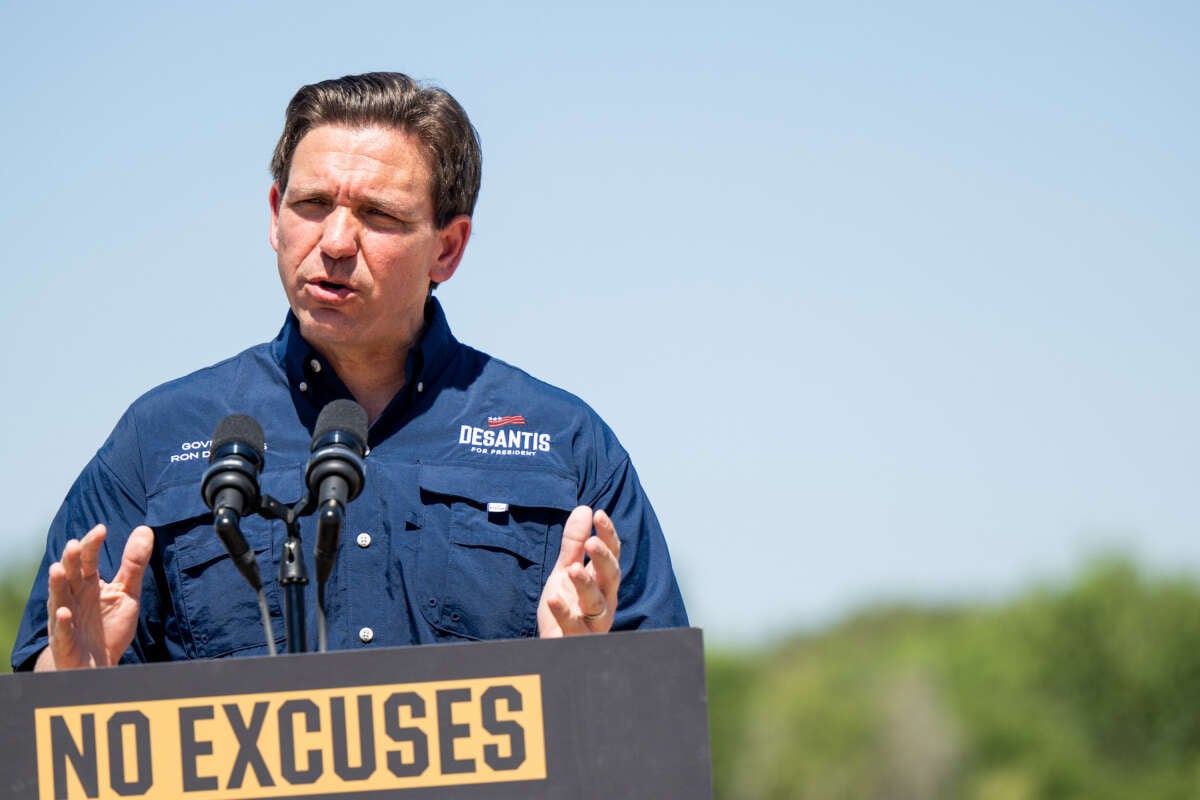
472 470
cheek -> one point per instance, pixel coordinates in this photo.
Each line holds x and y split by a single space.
288 257
289 230
397 261
386 264
290 239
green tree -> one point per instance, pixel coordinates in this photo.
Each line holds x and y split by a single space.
14 590
1084 691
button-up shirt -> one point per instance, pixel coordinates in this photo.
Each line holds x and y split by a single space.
470 474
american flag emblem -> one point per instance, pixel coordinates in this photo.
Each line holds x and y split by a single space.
499 422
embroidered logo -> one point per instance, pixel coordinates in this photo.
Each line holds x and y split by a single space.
192 451
501 438
196 450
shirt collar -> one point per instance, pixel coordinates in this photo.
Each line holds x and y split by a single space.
310 375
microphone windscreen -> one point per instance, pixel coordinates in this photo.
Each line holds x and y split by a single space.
342 415
239 428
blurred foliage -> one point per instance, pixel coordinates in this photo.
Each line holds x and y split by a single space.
1089 690
1086 691
15 580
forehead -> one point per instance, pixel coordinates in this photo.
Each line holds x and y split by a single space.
375 158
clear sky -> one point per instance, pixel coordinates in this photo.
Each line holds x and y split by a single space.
885 300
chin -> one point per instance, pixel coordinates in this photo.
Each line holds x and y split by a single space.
321 328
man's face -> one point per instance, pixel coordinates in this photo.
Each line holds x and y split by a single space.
356 243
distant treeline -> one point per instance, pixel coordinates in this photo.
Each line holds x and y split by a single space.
1088 691
1091 690
15 580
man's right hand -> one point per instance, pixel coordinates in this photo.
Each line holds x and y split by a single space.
92 622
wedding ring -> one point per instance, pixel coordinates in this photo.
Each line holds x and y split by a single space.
594 617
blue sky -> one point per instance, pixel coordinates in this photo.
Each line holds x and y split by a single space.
884 301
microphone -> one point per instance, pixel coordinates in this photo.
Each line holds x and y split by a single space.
230 486
335 474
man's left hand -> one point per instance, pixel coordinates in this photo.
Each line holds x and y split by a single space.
581 597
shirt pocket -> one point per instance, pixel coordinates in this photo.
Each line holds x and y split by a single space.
216 612
486 538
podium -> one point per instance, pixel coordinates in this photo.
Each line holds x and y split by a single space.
623 715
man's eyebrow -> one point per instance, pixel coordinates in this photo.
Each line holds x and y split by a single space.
394 207
295 187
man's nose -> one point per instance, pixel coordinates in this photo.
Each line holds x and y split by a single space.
340 236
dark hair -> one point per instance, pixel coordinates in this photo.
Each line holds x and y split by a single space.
393 100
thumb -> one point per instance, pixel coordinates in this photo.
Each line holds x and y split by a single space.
576 532
137 553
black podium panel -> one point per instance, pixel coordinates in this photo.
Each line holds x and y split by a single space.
622 715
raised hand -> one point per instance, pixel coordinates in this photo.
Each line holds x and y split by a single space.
91 622
581 597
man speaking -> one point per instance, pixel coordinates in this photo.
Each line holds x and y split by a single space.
495 506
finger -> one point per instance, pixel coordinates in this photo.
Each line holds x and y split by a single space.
576 532
562 618
605 549
71 566
591 605
89 553
567 617
134 561
60 594
606 567
63 644
606 531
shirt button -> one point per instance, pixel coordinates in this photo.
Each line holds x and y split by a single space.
366 634
420 386
315 365
303 386
364 540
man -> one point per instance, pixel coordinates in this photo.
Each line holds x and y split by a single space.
484 485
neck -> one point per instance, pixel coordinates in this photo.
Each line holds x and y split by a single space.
373 379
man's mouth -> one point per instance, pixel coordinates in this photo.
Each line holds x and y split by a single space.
329 290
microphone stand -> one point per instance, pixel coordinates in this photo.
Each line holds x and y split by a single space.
293 576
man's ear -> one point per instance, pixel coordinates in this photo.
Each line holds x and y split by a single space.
274 197
453 236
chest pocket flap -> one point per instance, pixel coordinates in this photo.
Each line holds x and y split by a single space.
176 513
179 509
217 612
486 538
527 488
